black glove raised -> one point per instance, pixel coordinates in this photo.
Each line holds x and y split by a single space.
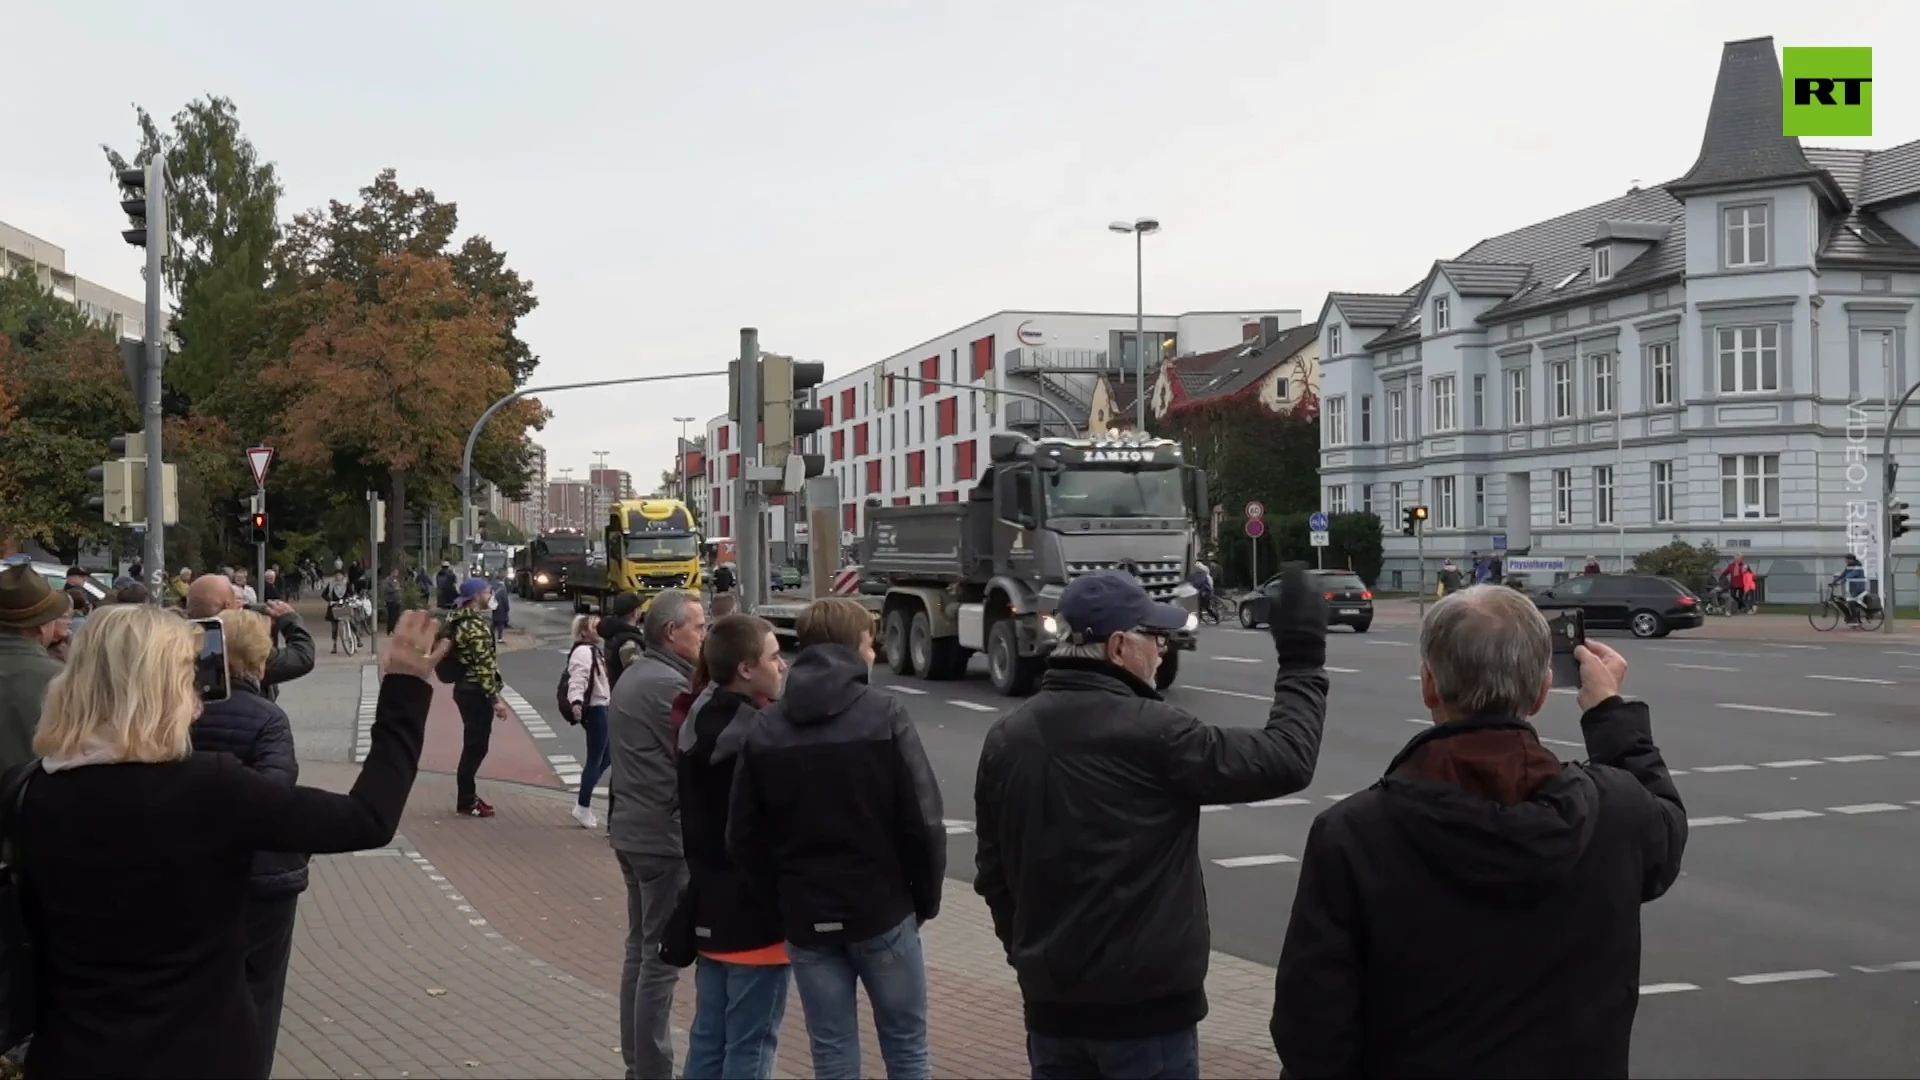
1298 619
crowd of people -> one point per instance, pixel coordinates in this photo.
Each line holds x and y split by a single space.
779 829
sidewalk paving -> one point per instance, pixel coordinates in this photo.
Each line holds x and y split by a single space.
493 948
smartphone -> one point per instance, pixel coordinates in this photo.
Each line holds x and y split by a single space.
210 679
1569 630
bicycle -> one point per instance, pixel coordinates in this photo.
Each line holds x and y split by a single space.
351 625
1836 606
1210 608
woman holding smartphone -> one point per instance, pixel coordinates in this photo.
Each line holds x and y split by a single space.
137 853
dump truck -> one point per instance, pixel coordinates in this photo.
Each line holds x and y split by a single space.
546 566
984 575
652 545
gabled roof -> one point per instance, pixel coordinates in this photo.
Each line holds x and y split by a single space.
1484 279
1892 175
1860 236
1743 145
1370 309
1230 372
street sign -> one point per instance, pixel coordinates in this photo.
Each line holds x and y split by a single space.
1256 511
1255 527
1538 564
258 458
1317 522
1318 538
1500 542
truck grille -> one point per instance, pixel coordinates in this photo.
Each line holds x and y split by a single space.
1160 578
662 581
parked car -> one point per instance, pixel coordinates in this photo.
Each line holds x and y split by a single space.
1349 601
1644 604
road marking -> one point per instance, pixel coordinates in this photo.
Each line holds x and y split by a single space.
898 689
563 759
1867 808
1417 720
1254 860
1563 742
1413 678
1854 679
1702 667
1676 772
1667 988
1395 644
1797 763
1849 759
1235 659
972 705
1876 969
1289 801
1724 768
1347 671
1232 693
956 827
1897 652
1786 815
1564 690
1771 709
1781 645
1214 808
1342 795
1708 652
1779 977
1906 753
1702 822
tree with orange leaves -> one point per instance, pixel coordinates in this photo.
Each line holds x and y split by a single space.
397 380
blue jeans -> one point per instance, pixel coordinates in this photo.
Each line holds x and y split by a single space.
736 1020
598 756
1155 1057
894 972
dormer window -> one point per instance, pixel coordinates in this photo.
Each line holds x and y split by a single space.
1602 263
1440 321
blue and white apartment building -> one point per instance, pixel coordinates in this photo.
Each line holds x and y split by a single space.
1704 360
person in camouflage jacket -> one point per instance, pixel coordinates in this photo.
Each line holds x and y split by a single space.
476 688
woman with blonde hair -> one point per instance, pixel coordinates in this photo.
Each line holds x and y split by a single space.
587 696
136 852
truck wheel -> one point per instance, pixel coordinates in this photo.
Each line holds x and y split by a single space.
1012 674
1168 671
893 637
935 657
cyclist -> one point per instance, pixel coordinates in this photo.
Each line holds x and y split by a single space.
1202 580
337 593
1853 582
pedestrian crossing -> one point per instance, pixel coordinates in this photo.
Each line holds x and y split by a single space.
369 703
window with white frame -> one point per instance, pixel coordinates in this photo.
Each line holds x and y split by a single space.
1366 418
1336 502
1563 496
1660 374
1407 494
1604 382
1479 401
1396 415
1445 515
1333 340
1662 491
1366 498
1440 314
1560 378
1337 421
1603 494
1749 359
1746 235
1602 263
1519 404
1443 403
1393 502
1479 502
1416 416
1750 487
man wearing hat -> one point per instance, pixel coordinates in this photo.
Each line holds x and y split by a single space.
474 670
1087 821
34 619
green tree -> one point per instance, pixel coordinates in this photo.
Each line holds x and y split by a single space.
1690 564
1252 454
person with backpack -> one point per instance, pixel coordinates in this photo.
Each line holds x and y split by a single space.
583 700
502 612
474 670
620 636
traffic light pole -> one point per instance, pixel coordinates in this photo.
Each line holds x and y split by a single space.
155 552
749 531
260 544
466 459
1886 507
1420 563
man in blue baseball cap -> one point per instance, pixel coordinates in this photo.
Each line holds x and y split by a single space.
474 670
1087 807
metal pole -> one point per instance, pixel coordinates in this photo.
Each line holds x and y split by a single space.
1073 430
158 234
749 531
1619 448
260 549
1886 502
1420 564
374 590
1140 332
1886 499
466 459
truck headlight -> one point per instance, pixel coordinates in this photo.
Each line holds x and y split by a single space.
1049 625
541 578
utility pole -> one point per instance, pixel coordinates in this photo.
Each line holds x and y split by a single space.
374 589
144 199
680 463
751 532
1889 472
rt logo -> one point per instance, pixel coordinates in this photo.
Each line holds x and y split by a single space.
1827 91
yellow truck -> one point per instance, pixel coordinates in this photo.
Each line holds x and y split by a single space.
651 545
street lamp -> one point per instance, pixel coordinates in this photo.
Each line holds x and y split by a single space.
680 451
1139 228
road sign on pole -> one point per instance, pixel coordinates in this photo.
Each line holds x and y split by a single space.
1317 538
258 458
1255 511
1317 522
1255 527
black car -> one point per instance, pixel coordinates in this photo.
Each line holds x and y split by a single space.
1648 606
1349 602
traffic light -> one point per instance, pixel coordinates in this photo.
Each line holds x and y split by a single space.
1411 519
138 190
782 381
259 527
1896 520
115 501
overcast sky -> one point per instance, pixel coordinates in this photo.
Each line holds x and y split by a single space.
856 177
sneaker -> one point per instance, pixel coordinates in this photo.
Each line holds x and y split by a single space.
584 815
478 809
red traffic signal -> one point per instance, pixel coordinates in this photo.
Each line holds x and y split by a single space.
259 528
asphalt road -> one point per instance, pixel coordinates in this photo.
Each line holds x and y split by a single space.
1788 948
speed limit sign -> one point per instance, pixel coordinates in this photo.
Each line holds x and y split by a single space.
1256 511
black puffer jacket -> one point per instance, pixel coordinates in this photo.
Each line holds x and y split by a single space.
622 643
257 731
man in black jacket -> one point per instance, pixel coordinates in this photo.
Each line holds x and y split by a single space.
1477 911
621 638
211 594
835 819
1087 809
